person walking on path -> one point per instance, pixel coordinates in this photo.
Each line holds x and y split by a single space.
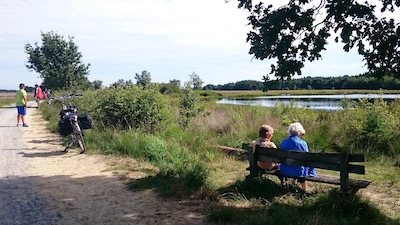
38 94
21 103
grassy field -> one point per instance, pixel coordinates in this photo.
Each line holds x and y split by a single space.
7 98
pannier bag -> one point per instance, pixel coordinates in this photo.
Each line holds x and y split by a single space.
84 121
64 126
62 114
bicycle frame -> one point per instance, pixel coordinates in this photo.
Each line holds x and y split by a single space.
70 112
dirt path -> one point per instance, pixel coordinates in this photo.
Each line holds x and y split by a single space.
84 189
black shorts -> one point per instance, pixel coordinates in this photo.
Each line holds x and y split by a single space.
301 179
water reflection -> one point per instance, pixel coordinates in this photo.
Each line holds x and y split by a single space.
317 102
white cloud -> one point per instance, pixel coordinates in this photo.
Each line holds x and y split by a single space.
169 38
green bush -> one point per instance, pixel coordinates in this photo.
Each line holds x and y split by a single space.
371 127
131 107
189 105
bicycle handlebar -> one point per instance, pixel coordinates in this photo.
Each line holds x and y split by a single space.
61 98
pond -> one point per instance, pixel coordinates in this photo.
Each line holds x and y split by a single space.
317 102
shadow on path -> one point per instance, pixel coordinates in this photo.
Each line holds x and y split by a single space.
88 200
53 141
42 154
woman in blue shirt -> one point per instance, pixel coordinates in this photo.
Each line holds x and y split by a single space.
294 142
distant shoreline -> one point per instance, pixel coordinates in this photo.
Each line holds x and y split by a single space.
250 93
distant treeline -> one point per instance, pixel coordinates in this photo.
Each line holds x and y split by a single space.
27 89
4 90
344 82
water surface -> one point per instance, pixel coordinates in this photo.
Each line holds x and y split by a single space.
317 102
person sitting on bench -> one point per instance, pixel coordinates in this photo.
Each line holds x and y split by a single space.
294 142
264 140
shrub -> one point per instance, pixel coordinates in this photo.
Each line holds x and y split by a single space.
131 107
189 105
371 127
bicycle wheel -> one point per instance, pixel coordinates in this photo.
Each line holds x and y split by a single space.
79 137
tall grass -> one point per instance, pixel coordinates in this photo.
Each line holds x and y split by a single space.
174 161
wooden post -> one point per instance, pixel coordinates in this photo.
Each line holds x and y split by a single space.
344 172
252 162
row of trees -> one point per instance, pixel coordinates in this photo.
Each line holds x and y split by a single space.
344 82
240 85
174 86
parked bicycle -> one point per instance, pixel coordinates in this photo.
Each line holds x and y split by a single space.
71 123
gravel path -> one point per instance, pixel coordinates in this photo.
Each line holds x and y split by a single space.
39 184
19 204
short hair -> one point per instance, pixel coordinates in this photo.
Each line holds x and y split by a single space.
21 85
264 130
296 129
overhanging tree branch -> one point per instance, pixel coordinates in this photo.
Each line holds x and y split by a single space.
297 32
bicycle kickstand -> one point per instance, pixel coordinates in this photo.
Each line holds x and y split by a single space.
69 145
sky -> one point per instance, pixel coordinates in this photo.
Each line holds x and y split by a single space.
171 39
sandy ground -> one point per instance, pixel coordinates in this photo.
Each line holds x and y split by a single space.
87 189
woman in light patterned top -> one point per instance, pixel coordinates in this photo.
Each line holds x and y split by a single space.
264 140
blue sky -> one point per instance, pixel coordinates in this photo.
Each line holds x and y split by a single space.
171 39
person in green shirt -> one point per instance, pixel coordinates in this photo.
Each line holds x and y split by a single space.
21 103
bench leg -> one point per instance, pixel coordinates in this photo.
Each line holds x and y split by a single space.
351 191
283 180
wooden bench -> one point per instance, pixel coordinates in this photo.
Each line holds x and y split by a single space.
341 162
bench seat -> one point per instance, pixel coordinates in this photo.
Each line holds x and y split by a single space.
328 179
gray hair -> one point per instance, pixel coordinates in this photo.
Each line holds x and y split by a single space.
296 129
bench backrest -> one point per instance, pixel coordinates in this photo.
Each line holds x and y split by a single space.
330 161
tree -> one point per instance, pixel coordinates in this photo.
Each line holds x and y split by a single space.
298 31
188 105
97 84
143 79
267 83
172 87
58 62
196 81
122 83
175 83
